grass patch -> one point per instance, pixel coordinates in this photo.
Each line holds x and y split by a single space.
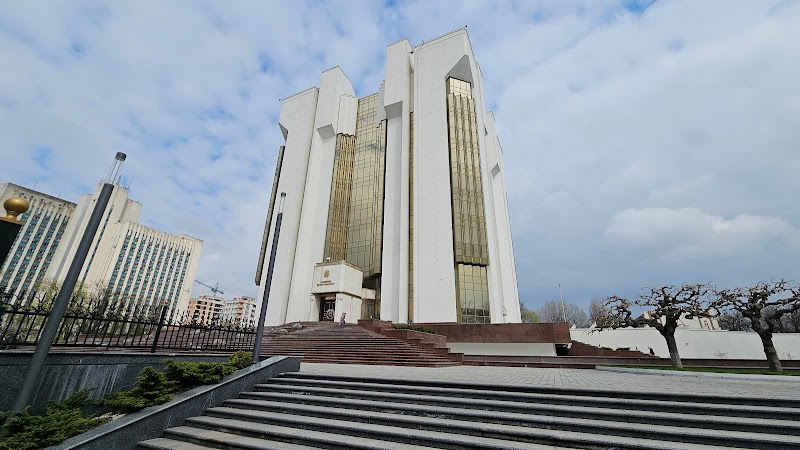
743 371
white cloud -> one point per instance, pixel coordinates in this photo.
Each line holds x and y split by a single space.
689 234
683 107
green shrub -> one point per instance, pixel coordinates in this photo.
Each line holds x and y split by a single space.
60 421
151 388
187 375
154 387
241 360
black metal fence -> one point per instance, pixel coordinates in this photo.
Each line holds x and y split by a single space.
110 322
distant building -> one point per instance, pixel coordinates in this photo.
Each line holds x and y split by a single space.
204 309
128 261
239 311
32 252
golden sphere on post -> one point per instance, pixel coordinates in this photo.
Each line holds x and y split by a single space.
15 206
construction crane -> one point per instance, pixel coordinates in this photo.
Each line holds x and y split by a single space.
214 289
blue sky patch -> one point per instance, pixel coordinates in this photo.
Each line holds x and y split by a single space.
43 156
637 7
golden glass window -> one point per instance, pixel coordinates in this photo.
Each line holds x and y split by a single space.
470 247
469 221
355 217
472 294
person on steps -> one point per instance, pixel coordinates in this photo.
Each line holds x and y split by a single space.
341 319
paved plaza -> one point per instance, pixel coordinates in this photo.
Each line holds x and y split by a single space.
570 378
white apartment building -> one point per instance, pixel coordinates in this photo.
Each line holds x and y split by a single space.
134 263
239 311
405 184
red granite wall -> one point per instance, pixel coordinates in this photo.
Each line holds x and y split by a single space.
495 333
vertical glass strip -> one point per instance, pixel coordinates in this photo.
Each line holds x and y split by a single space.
337 231
366 208
267 226
470 248
354 230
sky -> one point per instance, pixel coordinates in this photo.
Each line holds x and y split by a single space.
645 142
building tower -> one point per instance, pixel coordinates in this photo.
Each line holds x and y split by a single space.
33 250
134 264
138 265
406 184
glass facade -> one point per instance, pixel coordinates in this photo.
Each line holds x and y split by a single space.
472 294
469 222
341 188
354 230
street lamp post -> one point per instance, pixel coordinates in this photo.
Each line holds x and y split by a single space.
268 282
65 294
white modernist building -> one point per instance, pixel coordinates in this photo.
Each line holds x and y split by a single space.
136 264
405 185
140 265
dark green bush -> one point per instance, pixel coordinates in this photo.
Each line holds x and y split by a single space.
151 388
154 387
241 360
60 421
187 375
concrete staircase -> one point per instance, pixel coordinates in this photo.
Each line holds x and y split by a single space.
328 342
297 411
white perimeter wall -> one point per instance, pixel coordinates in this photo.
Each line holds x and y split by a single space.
703 344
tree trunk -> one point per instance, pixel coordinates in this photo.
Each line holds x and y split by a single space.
673 349
769 350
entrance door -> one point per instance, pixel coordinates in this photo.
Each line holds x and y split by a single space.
327 309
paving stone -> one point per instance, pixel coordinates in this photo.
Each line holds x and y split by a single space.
566 378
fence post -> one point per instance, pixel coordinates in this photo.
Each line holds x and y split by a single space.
158 328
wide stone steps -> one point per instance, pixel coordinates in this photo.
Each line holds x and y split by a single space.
298 410
326 342
522 400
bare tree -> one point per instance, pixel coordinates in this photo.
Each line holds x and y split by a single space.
598 312
791 321
664 306
764 304
552 311
733 321
528 315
